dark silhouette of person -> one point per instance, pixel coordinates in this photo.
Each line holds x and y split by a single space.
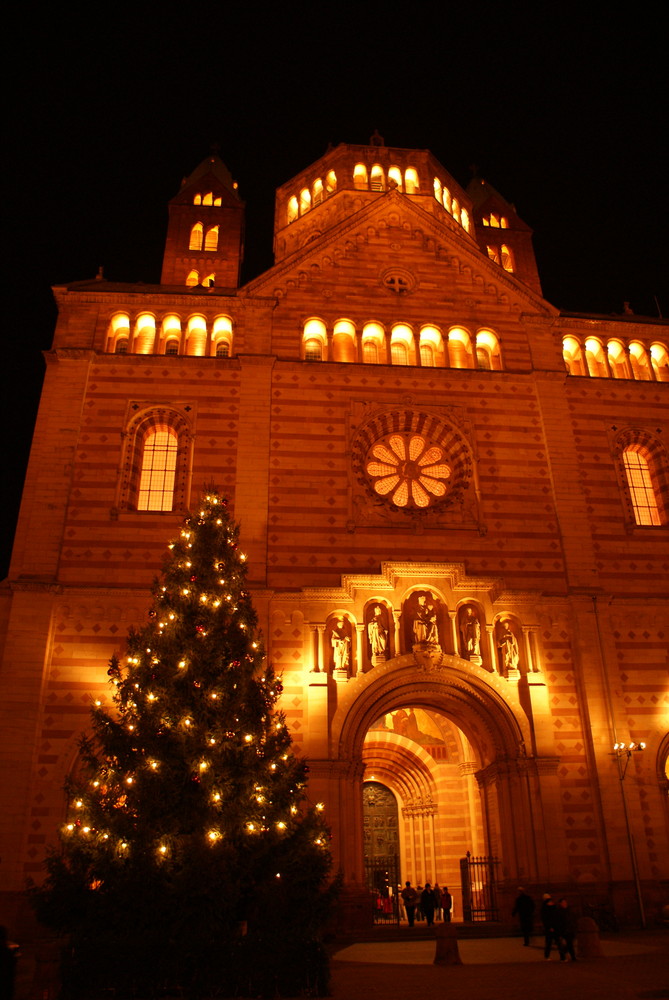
427 904
410 898
523 908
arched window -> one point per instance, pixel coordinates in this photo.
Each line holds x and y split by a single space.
464 219
171 347
436 184
493 253
305 201
121 346
506 257
377 179
209 281
343 341
217 201
617 359
197 200
314 340
293 210
208 198
211 239
401 345
594 356
370 352
159 459
195 241
455 209
395 178
411 185
639 362
446 198
119 330
360 176
573 356
659 359
426 355
221 337
193 278
156 462
170 332
640 485
317 192
488 355
313 350
460 348
330 183
196 336
644 473
145 334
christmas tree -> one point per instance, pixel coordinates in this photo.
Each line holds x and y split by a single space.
190 857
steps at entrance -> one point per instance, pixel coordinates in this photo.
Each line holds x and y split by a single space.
421 932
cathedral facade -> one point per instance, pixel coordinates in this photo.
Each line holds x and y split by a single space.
455 503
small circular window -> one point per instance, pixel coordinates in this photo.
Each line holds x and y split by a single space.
408 469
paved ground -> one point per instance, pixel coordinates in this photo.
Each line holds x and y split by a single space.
634 967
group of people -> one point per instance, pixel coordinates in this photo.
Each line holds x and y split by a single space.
426 902
558 919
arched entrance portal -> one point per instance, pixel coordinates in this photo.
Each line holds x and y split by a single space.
449 740
428 765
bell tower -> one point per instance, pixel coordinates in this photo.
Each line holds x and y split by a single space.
205 232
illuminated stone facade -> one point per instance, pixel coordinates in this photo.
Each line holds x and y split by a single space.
455 502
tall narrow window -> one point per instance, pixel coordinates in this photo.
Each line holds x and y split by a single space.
507 258
427 355
211 239
399 353
642 493
159 460
195 242
370 352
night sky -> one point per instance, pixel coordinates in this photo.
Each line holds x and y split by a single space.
565 114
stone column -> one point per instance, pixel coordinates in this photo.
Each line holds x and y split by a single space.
322 662
356 665
454 631
397 617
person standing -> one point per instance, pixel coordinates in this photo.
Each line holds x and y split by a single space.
427 904
437 901
551 920
446 904
523 908
409 898
567 929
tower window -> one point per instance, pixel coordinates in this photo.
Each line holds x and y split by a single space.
211 239
121 346
159 459
640 484
195 241
313 350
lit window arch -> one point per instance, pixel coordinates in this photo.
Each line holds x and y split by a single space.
411 184
317 192
401 344
373 343
464 220
573 356
360 176
493 254
431 347
211 239
594 356
208 198
305 201
488 355
197 199
377 180
659 358
196 234
506 258
145 334
343 341
644 473
639 362
314 340
221 337
330 182
156 461
395 178
119 329
618 362
460 352
196 336
446 198
193 278
455 209
122 345
292 210
209 280
171 347
438 192
170 331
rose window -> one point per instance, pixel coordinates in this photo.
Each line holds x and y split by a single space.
408 469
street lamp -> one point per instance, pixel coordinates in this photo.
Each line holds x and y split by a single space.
623 753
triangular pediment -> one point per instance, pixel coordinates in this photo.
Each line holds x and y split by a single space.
394 232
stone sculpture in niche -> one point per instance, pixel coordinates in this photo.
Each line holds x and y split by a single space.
340 639
509 653
470 630
377 634
425 620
